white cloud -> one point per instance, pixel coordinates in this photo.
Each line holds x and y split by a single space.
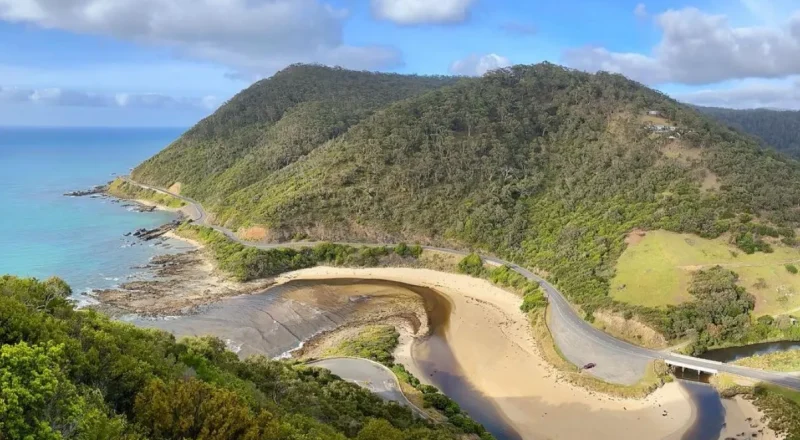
698 48
749 94
53 96
640 11
257 37
410 12
476 65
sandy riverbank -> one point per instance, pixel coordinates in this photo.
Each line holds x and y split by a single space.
492 342
741 416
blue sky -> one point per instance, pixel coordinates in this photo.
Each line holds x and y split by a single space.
172 62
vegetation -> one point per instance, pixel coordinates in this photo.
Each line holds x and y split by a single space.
667 260
791 268
375 342
67 374
378 343
541 165
124 190
777 128
788 361
504 276
782 408
245 263
719 313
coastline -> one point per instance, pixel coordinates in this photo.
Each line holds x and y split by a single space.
180 283
493 345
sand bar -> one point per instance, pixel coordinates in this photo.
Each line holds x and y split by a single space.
492 342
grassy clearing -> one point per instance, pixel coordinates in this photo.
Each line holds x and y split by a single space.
787 361
656 271
375 342
124 190
656 375
629 330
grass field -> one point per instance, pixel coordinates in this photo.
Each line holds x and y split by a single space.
656 269
788 361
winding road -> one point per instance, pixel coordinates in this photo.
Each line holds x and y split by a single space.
617 361
371 375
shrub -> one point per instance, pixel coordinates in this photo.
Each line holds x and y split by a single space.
472 264
791 268
765 320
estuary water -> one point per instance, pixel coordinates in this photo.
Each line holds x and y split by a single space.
80 239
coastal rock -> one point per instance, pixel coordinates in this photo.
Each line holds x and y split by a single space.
98 189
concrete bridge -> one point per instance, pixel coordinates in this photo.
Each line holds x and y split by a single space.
691 364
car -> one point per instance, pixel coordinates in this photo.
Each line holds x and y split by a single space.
589 366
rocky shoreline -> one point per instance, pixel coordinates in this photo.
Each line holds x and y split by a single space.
180 284
97 189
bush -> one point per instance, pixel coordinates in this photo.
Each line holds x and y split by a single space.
765 320
472 264
791 268
247 263
533 300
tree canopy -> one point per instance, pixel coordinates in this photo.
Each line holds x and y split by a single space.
777 128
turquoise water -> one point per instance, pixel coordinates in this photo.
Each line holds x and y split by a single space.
80 239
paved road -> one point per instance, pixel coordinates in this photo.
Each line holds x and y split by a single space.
370 375
617 361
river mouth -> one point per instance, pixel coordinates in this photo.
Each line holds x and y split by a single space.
281 318
434 357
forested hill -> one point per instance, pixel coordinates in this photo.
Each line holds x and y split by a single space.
275 122
779 129
541 164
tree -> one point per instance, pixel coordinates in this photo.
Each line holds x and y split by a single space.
37 401
472 264
379 430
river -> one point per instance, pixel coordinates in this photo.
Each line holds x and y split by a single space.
278 320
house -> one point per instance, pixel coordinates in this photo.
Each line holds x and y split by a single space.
654 113
662 128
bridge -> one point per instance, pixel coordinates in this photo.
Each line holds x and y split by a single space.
688 363
579 341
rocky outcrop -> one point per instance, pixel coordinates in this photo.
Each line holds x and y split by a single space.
98 189
150 234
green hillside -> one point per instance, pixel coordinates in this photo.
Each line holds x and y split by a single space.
274 123
779 129
540 164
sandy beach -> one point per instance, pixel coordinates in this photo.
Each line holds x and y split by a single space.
741 416
492 342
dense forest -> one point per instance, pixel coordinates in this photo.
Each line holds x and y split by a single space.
779 129
67 374
542 165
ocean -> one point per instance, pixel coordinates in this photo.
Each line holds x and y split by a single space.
80 239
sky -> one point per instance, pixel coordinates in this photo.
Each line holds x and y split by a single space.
173 62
